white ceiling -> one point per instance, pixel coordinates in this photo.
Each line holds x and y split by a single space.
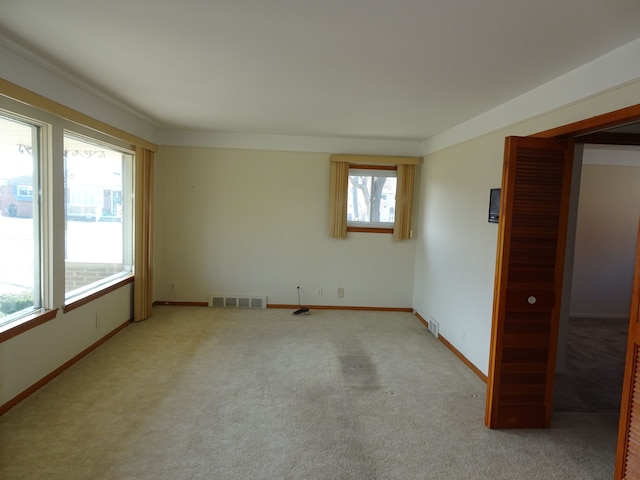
401 69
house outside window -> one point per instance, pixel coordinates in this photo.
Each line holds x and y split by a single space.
98 186
20 292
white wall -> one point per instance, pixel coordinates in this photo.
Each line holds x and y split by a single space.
456 249
606 233
255 222
61 87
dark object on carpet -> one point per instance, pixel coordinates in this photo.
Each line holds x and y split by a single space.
302 309
596 351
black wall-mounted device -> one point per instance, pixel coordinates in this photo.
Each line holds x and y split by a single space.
494 205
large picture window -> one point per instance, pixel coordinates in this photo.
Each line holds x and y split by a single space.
98 185
19 219
67 212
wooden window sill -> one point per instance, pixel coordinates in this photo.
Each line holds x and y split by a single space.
22 324
370 230
100 291
32 320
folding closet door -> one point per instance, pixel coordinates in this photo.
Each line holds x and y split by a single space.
534 208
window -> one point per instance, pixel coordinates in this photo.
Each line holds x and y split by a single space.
371 194
371 197
67 211
98 214
19 219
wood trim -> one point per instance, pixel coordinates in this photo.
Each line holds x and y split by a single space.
464 359
23 95
180 304
293 307
92 295
43 381
391 168
25 323
613 119
422 319
340 307
370 230
455 351
376 159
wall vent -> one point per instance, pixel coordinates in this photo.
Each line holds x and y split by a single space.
434 326
238 301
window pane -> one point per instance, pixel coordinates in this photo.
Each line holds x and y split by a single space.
359 198
371 199
98 214
19 220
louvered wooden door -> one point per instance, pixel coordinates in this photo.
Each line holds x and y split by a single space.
531 244
628 453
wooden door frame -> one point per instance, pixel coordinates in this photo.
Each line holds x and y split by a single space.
590 130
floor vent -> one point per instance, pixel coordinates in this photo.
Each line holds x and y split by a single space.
238 301
434 326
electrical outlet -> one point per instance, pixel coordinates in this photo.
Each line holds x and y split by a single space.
340 292
173 288
319 292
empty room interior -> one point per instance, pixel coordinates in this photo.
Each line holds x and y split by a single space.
177 179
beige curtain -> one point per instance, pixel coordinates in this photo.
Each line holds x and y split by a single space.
338 188
143 267
404 202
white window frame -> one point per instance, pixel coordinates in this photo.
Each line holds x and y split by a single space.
374 171
39 133
127 226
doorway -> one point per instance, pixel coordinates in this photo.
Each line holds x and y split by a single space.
593 330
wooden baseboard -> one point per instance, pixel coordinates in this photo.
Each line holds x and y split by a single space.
421 318
294 307
341 307
181 304
464 359
455 351
43 381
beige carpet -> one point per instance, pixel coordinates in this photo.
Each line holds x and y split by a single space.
199 393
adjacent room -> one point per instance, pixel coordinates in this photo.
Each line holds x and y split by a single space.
177 179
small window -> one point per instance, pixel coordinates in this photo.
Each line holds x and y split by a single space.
25 191
371 197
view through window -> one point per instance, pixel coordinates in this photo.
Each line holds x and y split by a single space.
371 197
19 219
98 182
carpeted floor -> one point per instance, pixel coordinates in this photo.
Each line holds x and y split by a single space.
201 393
595 366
